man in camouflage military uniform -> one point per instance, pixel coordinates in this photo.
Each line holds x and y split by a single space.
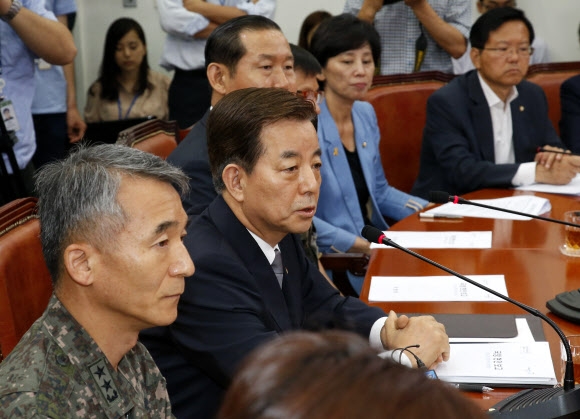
112 226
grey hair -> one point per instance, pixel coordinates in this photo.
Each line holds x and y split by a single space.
78 196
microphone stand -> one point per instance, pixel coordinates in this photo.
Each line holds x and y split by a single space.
531 403
458 200
569 374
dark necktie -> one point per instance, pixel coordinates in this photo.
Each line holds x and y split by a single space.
277 266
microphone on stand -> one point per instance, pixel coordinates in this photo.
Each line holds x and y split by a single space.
556 402
566 304
441 197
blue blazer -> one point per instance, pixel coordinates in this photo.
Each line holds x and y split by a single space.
338 218
570 122
457 154
233 303
192 157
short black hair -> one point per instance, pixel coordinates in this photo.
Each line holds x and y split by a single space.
304 61
311 22
492 20
224 45
236 122
342 33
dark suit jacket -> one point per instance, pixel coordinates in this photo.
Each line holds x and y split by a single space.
570 122
192 157
233 303
457 154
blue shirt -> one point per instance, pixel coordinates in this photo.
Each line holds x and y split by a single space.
50 95
339 219
18 73
399 29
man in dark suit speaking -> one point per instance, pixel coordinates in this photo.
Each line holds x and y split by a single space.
252 280
483 129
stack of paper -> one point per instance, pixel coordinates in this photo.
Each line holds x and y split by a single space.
524 203
435 288
500 364
438 239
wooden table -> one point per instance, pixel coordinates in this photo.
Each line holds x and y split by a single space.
526 252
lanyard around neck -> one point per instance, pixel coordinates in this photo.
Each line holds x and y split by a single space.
128 110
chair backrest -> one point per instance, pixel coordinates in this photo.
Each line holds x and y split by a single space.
25 284
155 136
400 103
550 77
108 131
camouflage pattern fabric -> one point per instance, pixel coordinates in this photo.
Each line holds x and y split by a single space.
58 371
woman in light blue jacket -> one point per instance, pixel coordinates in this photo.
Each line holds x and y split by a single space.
354 190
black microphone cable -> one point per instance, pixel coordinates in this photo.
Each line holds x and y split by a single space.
420 364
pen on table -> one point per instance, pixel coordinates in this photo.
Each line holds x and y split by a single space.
543 150
440 216
479 388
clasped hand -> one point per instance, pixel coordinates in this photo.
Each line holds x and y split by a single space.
402 331
556 168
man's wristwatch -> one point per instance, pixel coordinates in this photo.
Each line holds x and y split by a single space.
13 11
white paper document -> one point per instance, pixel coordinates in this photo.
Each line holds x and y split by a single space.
527 363
438 239
435 288
525 203
572 188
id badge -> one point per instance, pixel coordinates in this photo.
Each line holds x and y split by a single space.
43 65
9 116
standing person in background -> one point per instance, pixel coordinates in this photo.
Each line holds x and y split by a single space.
57 121
309 26
27 31
570 103
126 87
540 55
417 35
354 192
438 28
188 23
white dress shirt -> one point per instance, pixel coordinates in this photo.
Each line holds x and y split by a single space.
501 121
181 49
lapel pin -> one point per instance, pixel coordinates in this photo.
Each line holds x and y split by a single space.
364 144
522 108
335 152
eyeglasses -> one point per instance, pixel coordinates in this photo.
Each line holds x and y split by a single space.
314 96
506 52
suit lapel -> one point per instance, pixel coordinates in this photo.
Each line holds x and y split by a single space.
336 158
520 136
481 118
254 260
292 280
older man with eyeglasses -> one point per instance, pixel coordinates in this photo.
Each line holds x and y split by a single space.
484 128
540 54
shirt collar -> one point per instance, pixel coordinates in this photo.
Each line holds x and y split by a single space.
491 97
265 247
